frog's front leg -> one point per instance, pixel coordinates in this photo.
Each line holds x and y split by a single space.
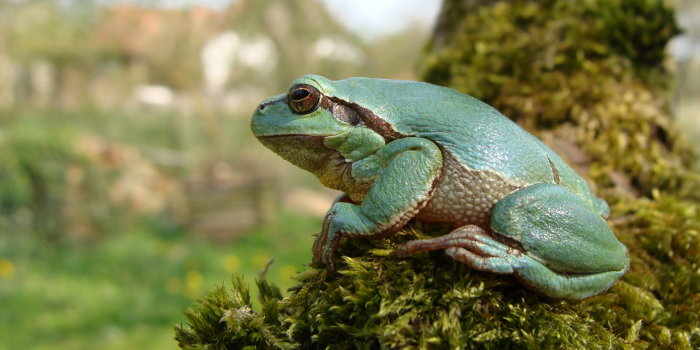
544 235
402 174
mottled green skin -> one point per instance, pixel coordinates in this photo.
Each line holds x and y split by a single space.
429 153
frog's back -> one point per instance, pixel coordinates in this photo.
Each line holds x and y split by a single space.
477 135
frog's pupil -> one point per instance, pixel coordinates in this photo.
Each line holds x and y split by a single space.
300 94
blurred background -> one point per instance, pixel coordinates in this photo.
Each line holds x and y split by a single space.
130 183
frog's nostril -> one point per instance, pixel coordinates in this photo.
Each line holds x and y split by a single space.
261 107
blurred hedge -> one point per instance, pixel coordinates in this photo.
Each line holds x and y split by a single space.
587 76
60 182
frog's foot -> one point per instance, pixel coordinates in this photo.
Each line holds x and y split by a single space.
402 174
470 245
324 247
476 248
325 244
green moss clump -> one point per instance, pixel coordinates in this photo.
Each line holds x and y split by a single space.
223 321
588 77
429 301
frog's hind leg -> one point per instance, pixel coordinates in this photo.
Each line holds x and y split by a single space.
539 225
470 245
570 250
475 247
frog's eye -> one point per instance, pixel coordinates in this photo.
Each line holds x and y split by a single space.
303 98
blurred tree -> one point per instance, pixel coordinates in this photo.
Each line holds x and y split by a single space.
48 30
298 29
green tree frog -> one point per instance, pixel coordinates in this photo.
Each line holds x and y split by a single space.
404 150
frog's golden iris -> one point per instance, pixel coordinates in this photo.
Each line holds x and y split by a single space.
303 98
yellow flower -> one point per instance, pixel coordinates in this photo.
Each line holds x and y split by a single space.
193 281
7 269
260 260
231 263
287 272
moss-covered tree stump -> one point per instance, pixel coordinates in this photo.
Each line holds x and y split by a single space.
588 77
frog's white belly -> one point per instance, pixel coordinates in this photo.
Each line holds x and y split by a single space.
465 196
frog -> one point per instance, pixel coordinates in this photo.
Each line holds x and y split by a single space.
402 151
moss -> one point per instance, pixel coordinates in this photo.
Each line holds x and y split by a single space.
588 77
430 301
594 65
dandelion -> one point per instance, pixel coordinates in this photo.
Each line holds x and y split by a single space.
260 259
287 272
7 269
231 263
193 281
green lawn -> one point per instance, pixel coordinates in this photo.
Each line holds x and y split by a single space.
128 290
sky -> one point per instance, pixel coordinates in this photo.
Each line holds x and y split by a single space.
367 18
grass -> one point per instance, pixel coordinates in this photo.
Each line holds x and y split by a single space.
127 291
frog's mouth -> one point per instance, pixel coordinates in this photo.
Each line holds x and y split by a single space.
305 151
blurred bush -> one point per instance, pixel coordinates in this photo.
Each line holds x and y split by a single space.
58 180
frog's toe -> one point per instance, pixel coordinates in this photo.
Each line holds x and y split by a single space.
465 236
325 259
317 249
325 244
329 255
494 264
470 245
329 261
471 237
324 250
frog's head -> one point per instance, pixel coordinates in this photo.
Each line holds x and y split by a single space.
303 110
294 125
312 128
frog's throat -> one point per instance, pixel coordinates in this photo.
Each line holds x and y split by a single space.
309 153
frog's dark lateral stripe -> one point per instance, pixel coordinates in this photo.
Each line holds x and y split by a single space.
555 172
269 103
367 118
